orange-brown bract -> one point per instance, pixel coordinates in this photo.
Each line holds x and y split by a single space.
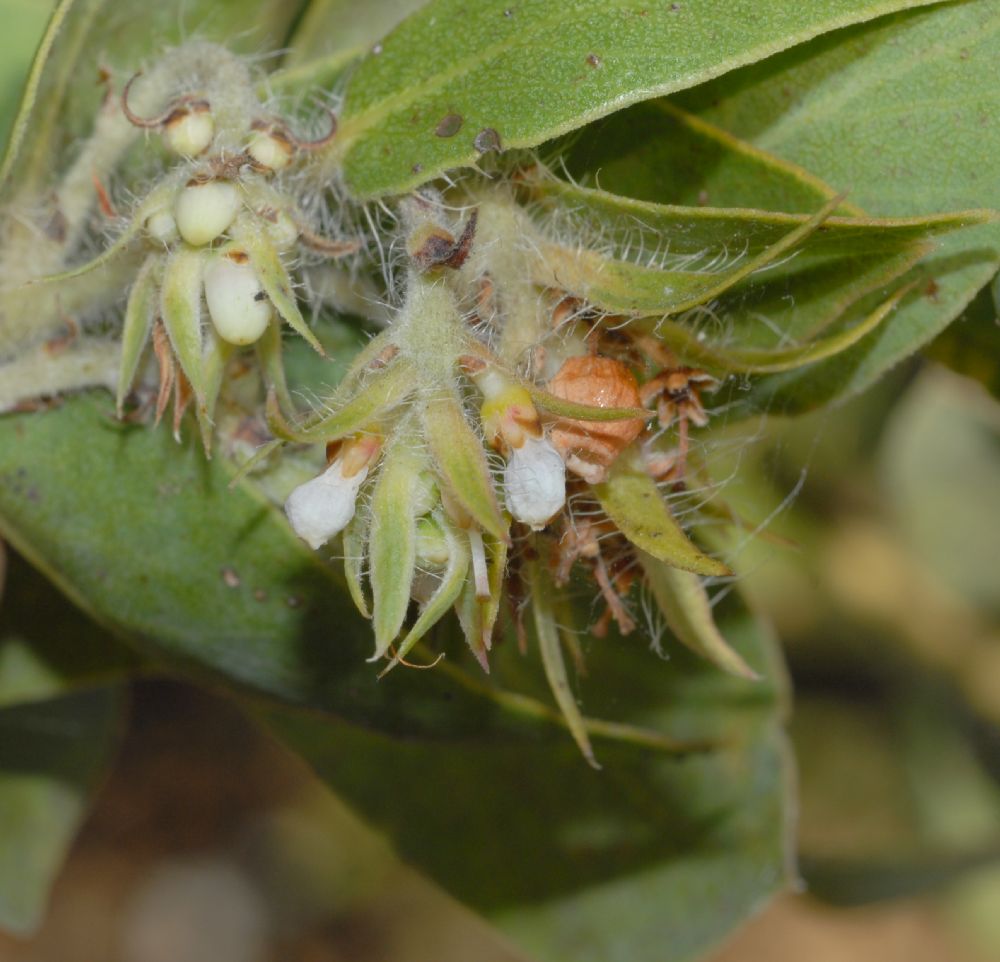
590 447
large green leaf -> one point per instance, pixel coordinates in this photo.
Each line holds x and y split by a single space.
897 113
652 859
456 80
24 22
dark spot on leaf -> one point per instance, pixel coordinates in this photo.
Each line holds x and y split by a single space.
417 168
260 296
932 290
449 125
230 577
674 7
259 594
964 53
508 12
293 601
487 140
702 198
593 60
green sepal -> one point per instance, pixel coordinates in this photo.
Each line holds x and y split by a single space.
632 501
478 616
683 601
140 312
392 545
215 357
386 390
581 412
273 277
180 309
354 539
461 462
453 579
272 366
547 632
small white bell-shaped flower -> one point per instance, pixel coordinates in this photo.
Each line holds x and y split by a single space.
321 508
534 482
239 308
204 209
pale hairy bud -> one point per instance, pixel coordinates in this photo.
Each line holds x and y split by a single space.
205 209
534 482
189 131
270 147
322 508
238 306
161 226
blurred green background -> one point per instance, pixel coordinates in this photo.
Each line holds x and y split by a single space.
878 565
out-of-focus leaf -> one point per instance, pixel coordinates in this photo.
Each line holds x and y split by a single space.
897 112
47 647
52 755
940 465
971 345
457 80
651 859
24 23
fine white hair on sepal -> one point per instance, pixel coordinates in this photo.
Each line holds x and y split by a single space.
322 508
534 482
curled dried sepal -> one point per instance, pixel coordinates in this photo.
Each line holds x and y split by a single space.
322 507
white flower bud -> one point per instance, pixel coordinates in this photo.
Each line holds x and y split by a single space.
321 508
189 131
534 482
204 209
239 308
270 147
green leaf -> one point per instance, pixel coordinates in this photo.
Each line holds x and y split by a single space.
24 23
632 500
971 346
52 755
575 865
916 142
455 75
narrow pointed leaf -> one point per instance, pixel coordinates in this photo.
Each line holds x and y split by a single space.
818 109
634 503
755 361
269 353
180 309
461 462
581 412
393 542
217 353
140 312
683 602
